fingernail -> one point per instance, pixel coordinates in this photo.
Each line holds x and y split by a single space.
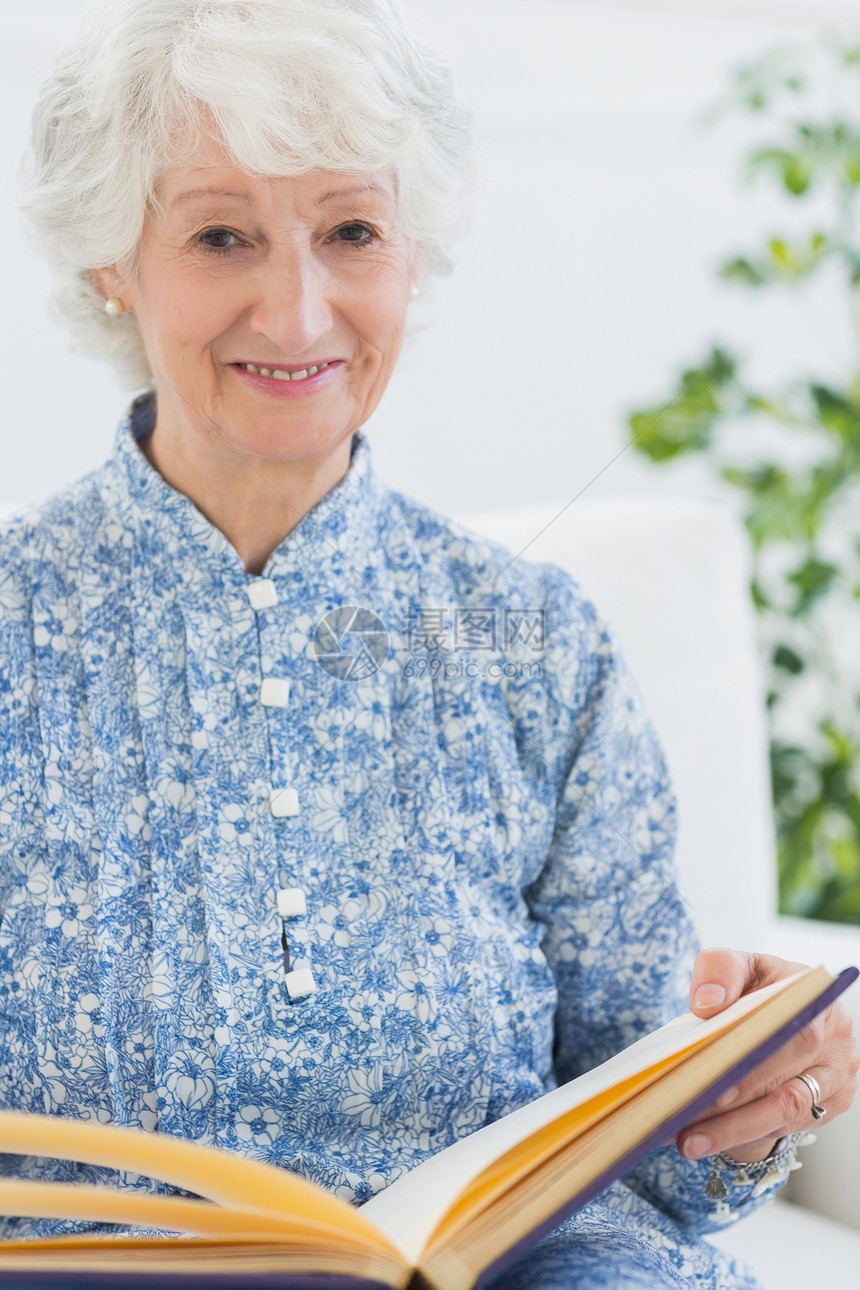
725 1099
696 1146
709 996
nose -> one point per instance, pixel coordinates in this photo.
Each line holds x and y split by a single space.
292 307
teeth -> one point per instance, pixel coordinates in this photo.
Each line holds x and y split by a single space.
283 376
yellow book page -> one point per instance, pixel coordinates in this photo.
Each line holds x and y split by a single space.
522 1159
172 1213
222 1177
414 1207
527 1155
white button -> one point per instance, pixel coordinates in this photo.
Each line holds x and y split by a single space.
274 693
283 801
300 983
292 903
263 593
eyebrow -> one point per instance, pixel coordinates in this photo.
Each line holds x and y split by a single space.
210 192
334 194
356 190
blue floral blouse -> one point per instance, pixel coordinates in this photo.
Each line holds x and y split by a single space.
333 865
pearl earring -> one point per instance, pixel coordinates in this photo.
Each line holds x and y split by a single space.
414 293
113 307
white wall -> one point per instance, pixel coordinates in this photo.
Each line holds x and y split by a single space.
587 274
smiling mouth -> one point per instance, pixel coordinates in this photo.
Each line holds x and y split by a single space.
278 373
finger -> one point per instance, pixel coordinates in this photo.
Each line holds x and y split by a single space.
798 1055
749 1132
720 976
827 1042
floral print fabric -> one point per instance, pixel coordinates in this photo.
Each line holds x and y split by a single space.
331 899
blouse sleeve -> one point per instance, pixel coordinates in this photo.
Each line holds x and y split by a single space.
21 807
619 933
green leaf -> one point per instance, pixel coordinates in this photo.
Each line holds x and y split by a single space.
659 435
686 421
769 158
840 742
796 176
792 168
759 596
788 762
784 260
771 408
788 660
720 367
836 411
753 481
780 252
741 270
813 579
800 258
778 510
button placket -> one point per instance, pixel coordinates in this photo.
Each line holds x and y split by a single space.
262 593
300 983
292 902
283 802
274 693
283 798
298 980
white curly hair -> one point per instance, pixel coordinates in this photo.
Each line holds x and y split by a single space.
289 85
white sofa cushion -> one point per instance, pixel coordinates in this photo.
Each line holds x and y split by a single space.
792 1249
671 576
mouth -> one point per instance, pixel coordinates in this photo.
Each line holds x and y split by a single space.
284 374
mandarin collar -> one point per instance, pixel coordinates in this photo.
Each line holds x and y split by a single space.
341 533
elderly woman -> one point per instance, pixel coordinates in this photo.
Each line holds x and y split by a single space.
272 878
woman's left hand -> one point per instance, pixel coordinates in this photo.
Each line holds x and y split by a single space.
771 1101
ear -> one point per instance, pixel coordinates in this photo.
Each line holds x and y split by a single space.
417 263
114 285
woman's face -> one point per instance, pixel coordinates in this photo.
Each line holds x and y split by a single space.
238 274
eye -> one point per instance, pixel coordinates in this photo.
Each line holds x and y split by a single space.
218 241
355 234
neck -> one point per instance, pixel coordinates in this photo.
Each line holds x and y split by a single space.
255 501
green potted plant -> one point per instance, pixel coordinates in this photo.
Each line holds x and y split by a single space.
791 458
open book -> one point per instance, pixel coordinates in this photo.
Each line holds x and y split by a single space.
454 1222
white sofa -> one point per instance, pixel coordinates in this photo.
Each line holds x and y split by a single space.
672 577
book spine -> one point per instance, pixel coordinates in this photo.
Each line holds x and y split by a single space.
141 1280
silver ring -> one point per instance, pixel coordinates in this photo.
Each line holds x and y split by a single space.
818 1111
